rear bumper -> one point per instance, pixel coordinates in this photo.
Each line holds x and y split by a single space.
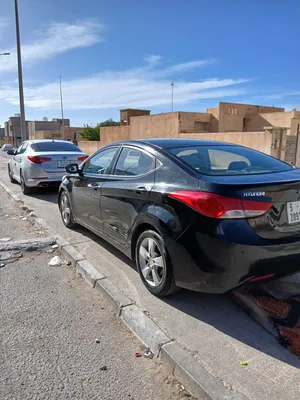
43 182
209 264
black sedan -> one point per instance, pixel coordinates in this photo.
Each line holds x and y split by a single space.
203 215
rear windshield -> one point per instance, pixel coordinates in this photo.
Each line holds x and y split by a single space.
228 160
55 146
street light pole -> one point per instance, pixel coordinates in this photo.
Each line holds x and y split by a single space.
20 75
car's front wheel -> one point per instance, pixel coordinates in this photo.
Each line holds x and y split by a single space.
154 265
66 211
25 189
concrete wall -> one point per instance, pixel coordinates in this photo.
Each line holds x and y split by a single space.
155 126
88 147
231 115
260 141
127 114
215 116
63 133
188 120
295 126
257 122
112 134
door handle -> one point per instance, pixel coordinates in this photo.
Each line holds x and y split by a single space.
94 186
141 189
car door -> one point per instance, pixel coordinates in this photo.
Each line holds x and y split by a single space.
86 188
126 192
18 160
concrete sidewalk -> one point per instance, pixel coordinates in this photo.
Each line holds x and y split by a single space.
59 340
214 333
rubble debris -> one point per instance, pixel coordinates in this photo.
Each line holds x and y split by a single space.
148 354
5 239
55 261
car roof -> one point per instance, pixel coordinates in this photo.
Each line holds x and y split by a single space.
164 143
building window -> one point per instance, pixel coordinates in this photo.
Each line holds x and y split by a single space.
229 110
235 110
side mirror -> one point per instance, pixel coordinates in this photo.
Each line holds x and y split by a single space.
11 152
72 169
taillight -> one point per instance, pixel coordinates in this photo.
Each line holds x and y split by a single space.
38 159
82 158
216 206
262 278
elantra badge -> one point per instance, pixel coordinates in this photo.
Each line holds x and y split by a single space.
252 194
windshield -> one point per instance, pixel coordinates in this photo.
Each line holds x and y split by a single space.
55 146
228 160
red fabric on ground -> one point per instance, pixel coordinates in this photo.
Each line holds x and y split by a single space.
273 307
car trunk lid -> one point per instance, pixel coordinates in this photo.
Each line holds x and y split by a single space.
282 190
54 162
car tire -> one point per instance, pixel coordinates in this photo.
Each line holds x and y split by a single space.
12 180
25 189
154 265
66 211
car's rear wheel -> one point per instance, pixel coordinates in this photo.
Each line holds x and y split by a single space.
66 211
25 189
154 265
11 176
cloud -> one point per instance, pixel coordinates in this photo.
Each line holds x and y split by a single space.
278 96
4 24
188 66
146 86
55 39
152 59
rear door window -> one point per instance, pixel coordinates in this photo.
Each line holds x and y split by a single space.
228 160
133 162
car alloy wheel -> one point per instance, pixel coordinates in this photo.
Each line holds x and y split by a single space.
154 265
65 210
151 262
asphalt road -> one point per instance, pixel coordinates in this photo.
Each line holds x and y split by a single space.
215 331
59 339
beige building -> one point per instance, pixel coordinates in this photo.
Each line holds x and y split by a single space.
271 130
228 117
234 117
55 129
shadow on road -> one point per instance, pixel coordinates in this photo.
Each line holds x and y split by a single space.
218 311
47 194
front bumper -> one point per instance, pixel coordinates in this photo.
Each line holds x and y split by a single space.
209 264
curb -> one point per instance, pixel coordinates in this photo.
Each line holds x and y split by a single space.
177 360
27 244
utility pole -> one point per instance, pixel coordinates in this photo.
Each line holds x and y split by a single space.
20 76
172 103
62 108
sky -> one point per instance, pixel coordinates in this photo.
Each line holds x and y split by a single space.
114 54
